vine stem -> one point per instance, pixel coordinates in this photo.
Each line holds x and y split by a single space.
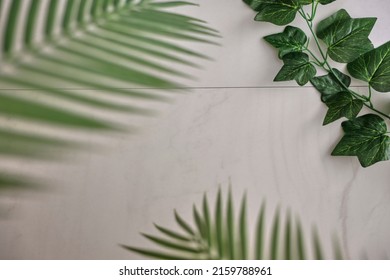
370 95
327 67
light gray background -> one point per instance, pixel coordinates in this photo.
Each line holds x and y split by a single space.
236 126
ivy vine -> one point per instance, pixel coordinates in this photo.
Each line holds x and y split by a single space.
342 39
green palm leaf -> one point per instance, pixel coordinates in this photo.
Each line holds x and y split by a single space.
128 50
283 238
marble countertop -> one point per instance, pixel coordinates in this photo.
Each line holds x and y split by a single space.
234 126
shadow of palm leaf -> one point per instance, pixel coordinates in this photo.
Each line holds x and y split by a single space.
129 52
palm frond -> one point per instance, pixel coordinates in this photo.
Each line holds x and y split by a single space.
225 237
17 182
129 52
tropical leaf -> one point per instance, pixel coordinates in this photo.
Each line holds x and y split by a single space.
129 53
227 237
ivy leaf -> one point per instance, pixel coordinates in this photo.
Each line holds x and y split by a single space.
365 137
254 4
346 38
257 5
292 39
331 84
296 67
374 68
342 105
279 12
305 2
325 2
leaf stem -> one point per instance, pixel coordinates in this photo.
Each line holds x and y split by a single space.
371 107
314 7
369 93
317 61
327 67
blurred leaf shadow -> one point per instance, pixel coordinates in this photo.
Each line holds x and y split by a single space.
51 51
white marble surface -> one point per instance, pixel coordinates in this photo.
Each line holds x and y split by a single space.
235 125
247 60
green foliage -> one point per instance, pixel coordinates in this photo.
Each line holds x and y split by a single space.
331 84
365 137
346 38
292 39
342 105
325 2
347 41
127 52
374 68
296 67
224 235
279 12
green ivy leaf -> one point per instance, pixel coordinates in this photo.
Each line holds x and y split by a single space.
325 2
296 67
365 137
279 12
254 4
257 5
342 105
374 68
305 2
331 84
292 39
346 38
